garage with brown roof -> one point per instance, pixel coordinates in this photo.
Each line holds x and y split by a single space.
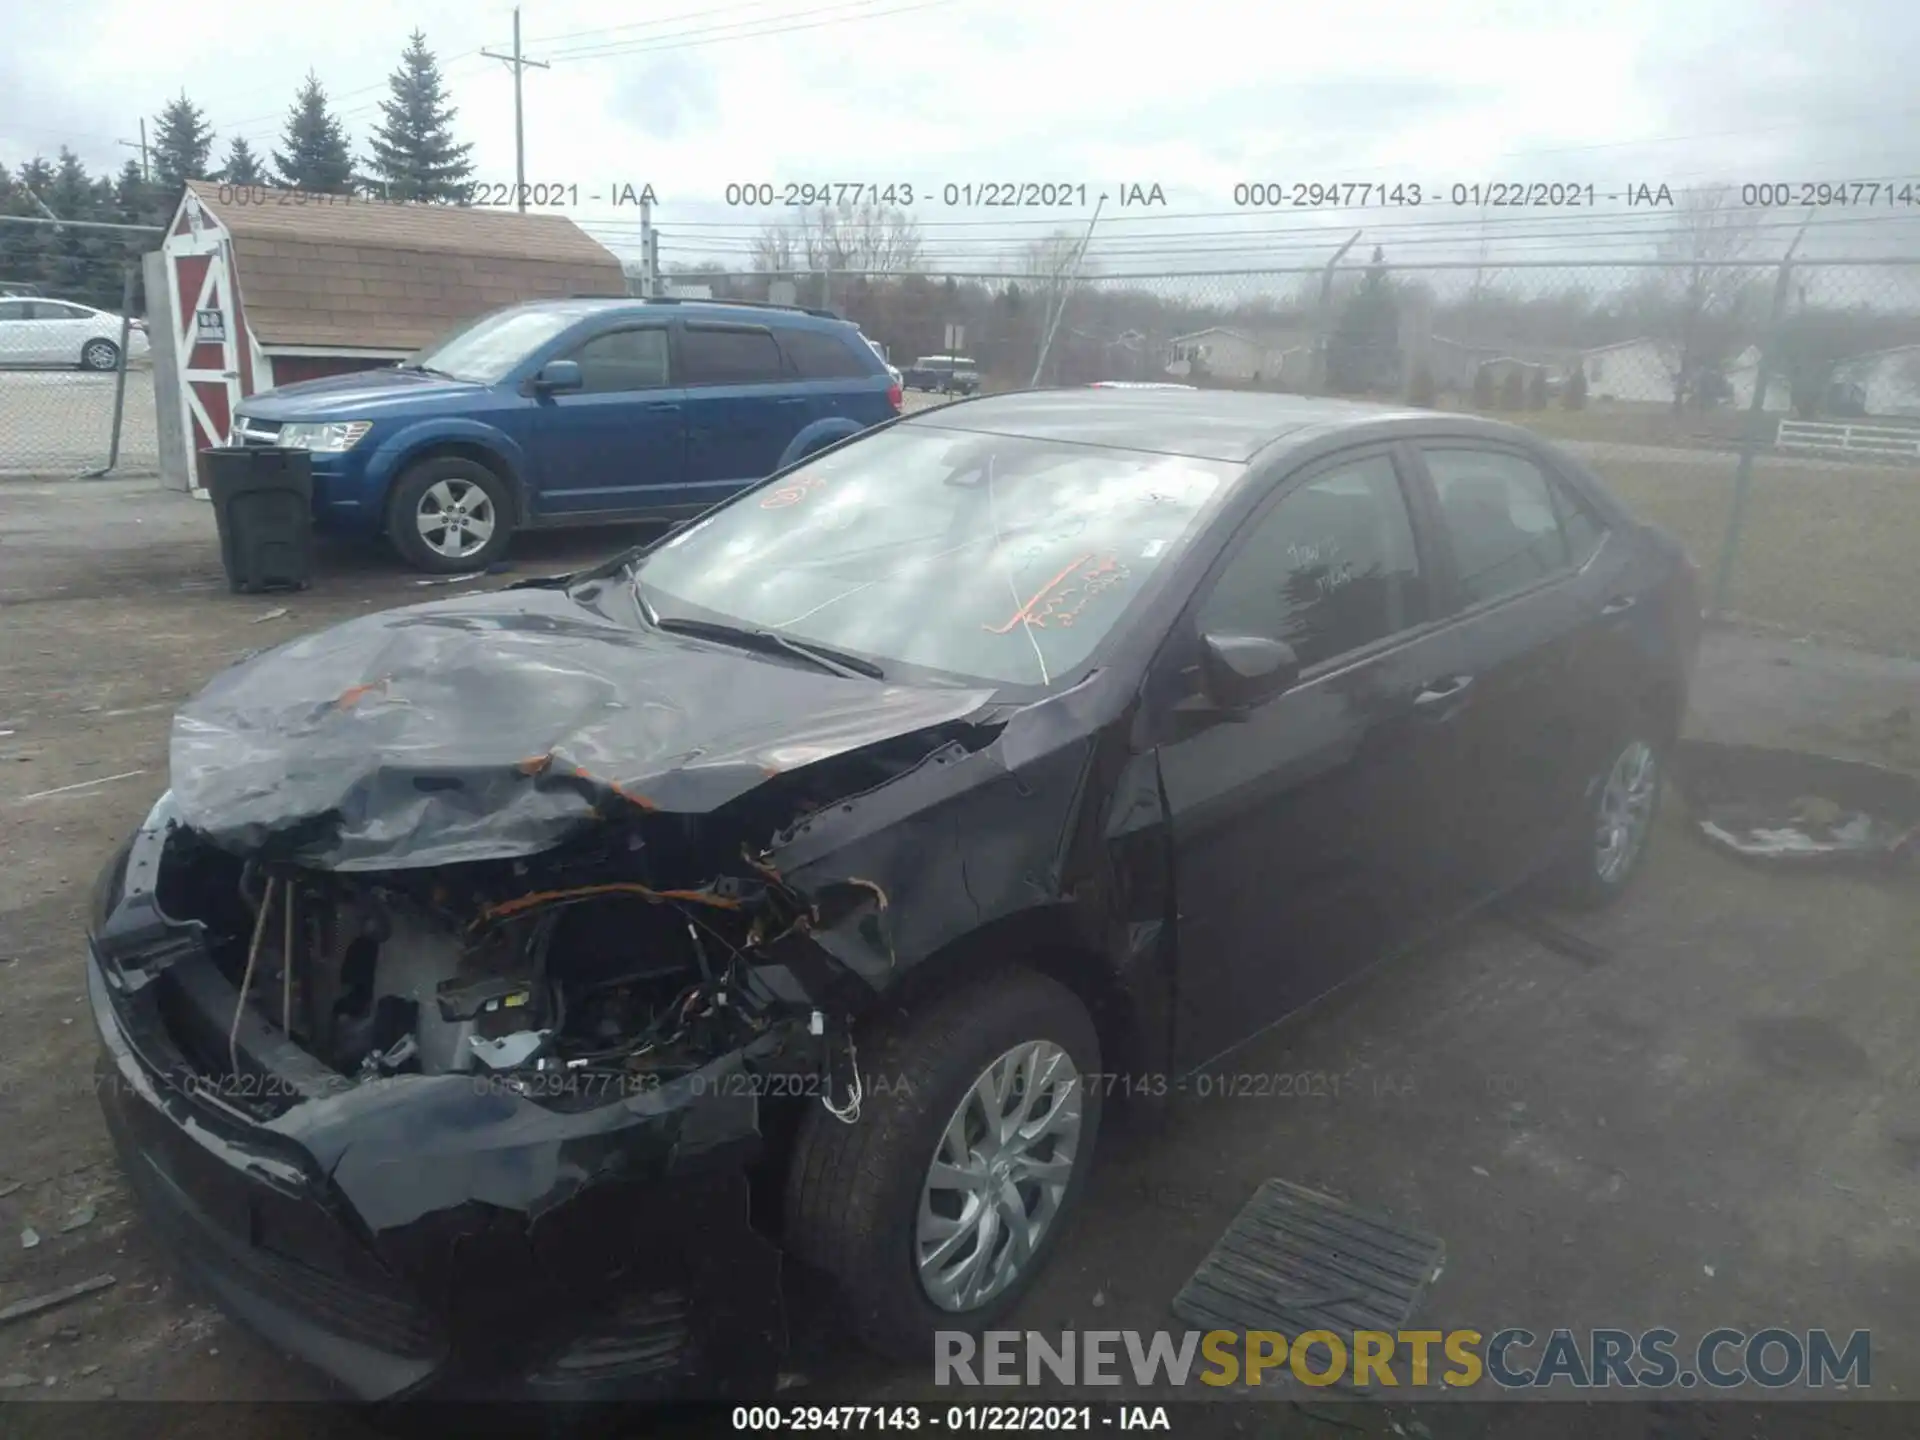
265 287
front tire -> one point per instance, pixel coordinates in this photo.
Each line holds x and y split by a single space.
450 516
939 1206
1617 823
99 355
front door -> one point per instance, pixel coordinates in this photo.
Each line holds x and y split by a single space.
742 406
619 442
1303 830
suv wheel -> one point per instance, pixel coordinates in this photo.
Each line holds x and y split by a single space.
450 515
1608 849
939 1205
99 355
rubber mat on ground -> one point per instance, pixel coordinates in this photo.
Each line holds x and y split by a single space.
1295 1260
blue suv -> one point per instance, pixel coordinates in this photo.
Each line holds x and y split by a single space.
572 412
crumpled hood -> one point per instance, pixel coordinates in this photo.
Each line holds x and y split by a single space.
498 724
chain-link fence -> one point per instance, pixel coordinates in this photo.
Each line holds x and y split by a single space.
1769 415
76 383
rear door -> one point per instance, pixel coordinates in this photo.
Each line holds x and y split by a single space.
619 442
64 330
742 405
1304 829
833 377
1531 583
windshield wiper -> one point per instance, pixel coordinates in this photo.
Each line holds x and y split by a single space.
428 370
835 662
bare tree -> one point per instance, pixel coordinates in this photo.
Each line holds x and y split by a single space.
776 250
1706 291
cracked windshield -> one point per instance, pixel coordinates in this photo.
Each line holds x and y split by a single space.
981 556
941 716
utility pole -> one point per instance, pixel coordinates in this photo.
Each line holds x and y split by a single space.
1073 275
146 170
519 63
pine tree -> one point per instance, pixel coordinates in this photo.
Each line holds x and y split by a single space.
1574 395
243 166
182 146
316 158
1363 353
1537 388
1513 390
414 155
134 201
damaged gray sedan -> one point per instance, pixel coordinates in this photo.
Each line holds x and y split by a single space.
509 986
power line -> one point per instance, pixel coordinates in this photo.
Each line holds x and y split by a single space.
655 23
707 37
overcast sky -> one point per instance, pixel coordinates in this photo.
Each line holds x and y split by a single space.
1194 97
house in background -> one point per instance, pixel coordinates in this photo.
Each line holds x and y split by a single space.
1277 357
1456 363
1641 372
1882 382
255 287
1636 371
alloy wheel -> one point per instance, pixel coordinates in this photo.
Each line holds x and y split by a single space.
998 1176
456 518
1626 810
99 355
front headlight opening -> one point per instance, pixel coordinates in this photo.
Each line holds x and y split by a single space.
327 439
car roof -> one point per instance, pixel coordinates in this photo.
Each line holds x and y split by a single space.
1202 424
733 312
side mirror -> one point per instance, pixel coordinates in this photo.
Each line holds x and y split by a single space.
558 376
1243 670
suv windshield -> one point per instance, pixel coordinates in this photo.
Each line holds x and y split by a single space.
981 557
488 349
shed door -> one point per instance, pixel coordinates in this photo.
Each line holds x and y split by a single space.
207 335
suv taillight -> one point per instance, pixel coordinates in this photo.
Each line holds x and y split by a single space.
895 397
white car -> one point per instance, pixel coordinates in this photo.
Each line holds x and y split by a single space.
36 331
892 369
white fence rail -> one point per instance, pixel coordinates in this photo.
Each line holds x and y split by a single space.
1896 440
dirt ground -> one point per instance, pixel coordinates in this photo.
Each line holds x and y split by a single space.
1717 1124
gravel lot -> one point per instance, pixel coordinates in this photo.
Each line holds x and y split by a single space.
1720 1124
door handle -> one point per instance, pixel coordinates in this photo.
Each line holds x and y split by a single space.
1619 605
1438 698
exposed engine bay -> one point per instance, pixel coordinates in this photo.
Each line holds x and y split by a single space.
511 968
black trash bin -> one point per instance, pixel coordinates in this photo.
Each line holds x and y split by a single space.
263 501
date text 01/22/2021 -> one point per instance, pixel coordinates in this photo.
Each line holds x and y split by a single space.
482 194
1473 195
960 1419
902 194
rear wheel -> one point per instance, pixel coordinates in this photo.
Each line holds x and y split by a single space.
937 1208
1611 844
99 355
450 515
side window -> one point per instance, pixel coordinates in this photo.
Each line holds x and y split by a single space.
1499 512
623 360
1583 529
818 356
54 310
715 356
13 310
1328 569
